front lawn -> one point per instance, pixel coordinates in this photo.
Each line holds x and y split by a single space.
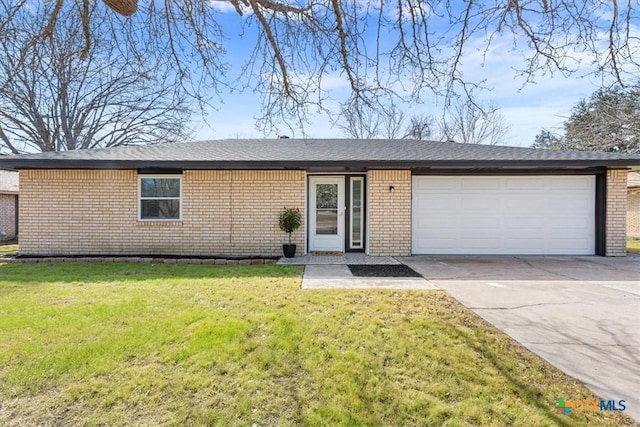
143 344
633 245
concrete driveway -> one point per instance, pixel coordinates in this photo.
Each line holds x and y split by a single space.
582 314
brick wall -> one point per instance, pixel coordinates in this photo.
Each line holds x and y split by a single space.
633 212
389 213
616 244
7 216
224 213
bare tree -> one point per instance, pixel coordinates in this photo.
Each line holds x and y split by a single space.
384 122
391 122
368 122
411 47
420 127
52 100
471 123
359 123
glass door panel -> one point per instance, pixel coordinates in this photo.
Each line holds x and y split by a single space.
327 209
357 224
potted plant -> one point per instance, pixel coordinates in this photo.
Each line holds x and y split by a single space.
290 220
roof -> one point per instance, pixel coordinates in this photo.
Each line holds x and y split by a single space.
633 179
8 182
316 153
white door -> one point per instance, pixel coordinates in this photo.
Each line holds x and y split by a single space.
518 215
326 213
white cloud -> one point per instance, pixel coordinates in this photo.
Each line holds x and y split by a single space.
225 6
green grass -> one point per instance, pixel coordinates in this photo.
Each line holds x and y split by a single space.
8 249
143 344
633 245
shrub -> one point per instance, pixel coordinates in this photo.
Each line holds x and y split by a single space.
290 220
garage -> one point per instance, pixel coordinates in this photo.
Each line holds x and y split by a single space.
506 215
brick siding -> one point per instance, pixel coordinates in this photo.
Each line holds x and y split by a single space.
633 212
7 216
389 213
224 213
616 244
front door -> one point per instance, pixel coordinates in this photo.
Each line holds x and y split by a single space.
326 213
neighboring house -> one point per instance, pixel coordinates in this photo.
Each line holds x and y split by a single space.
8 205
633 204
397 198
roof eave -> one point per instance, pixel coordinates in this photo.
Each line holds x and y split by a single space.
306 164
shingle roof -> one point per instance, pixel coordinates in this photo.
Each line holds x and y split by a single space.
301 153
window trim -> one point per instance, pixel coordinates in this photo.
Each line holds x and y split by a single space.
140 198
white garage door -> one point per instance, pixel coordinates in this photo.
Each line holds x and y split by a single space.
551 215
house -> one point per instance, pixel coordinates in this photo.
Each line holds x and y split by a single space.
382 197
633 204
8 205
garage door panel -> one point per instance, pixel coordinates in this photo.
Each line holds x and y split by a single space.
572 224
534 242
480 235
571 206
572 184
440 233
478 204
504 215
479 183
435 203
479 243
443 233
435 184
480 225
522 184
569 243
523 205
527 234
524 222
434 224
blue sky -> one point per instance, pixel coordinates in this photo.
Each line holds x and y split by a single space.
544 104
527 108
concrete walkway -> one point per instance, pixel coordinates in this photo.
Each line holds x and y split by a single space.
340 277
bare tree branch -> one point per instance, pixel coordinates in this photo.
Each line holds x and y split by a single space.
420 127
52 99
359 122
405 49
472 123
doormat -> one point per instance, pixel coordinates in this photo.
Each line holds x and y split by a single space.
382 270
326 253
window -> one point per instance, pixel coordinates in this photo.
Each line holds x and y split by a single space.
160 198
357 212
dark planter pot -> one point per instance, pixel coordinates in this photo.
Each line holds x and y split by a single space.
289 251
